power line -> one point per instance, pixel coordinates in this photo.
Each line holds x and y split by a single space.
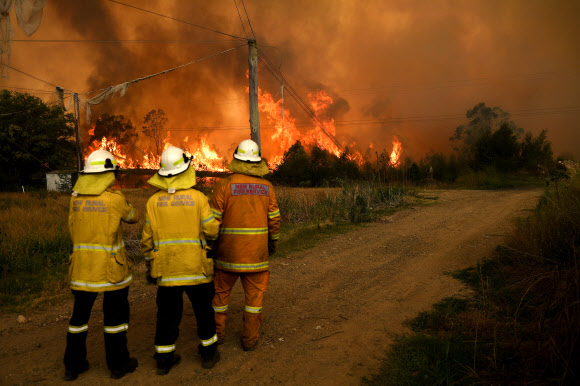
248 17
181 66
174 19
404 119
127 41
31 89
32 76
280 78
241 21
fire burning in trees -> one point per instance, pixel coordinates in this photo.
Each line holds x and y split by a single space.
205 157
396 153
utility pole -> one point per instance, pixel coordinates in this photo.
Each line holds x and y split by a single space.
78 134
254 112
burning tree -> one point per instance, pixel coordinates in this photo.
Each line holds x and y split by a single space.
154 127
114 127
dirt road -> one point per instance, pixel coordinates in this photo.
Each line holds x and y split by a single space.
329 314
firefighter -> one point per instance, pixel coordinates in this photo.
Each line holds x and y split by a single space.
179 230
99 263
245 205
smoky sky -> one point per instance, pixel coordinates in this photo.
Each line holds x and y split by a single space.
409 69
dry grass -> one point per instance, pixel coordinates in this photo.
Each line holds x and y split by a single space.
35 241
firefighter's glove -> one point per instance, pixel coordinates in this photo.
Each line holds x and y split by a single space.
272 244
150 279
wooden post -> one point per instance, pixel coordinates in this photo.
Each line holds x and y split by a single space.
78 134
254 112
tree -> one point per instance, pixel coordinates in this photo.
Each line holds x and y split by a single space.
292 170
119 129
536 154
115 127
35 138
347 168
483 121
499 149
154 127
320 166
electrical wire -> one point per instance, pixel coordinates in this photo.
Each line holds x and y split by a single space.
174 19
31 76
280 78
181 66
128 41
248 17
241 21
31 89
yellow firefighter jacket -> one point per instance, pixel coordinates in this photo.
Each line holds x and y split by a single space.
174 237
248 212
99 259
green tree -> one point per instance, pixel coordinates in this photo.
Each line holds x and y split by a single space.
346 167
536 154
154 127
483 121
320 166
499 149
292 169
415 173
34 138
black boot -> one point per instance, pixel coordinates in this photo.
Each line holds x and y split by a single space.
72 374
165 364
128 368
209 355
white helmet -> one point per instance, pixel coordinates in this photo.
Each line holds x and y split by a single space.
249 151
100 161
173 162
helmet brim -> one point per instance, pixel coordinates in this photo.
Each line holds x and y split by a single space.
174 172
247 158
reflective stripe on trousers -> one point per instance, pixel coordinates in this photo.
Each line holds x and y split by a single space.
165 349
77 329
209 341
116 329
242 267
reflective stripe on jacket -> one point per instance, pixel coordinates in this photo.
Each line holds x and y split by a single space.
99 260
174 237
248 212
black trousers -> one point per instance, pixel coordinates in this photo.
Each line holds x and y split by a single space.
116 321
169 313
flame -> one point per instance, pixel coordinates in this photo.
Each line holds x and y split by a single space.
285 131
396 153
285 134
204 158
